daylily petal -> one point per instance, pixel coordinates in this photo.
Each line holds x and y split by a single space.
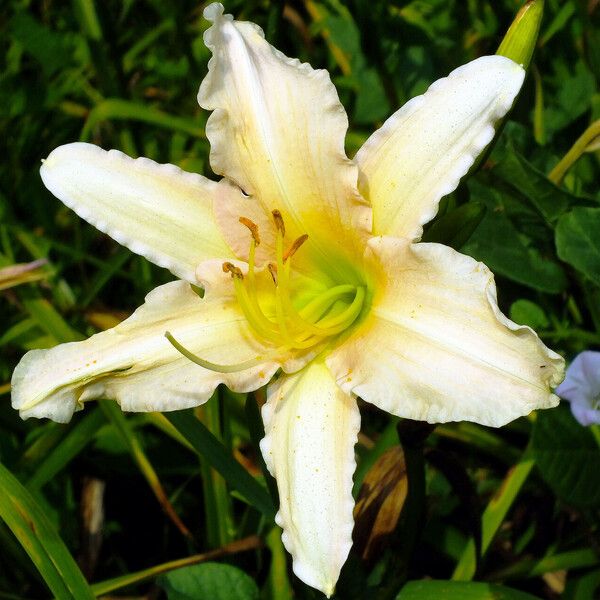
435 346
158 211
423 150
311 427
278 131
136 365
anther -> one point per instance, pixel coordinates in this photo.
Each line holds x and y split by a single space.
279 222
236 272
273 270
253 227
294 247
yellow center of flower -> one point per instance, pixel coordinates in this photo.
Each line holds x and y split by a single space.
290 328
326 315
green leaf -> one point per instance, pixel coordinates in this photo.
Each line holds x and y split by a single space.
27 520
568 456
209 581
49 48
132 441
458 590
50 321
507 252
520 175
113 109
494 515
212 450
529 313
73 443
456 227
578 241
560 20
571 97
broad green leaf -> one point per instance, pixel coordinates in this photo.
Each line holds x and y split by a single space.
209 581
458 590
27 520
571 97
50 49
456 227
211 449
520 175
529 313
507 252
578 241
568 456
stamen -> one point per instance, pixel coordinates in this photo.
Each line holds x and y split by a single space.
253 362
294 247
250 297
279 222
255 317
290 328
253 227
236 272
273 270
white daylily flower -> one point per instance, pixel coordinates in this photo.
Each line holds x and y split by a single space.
581 387
311 265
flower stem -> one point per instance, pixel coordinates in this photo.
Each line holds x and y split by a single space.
573 155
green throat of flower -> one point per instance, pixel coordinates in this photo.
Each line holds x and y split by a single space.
291 328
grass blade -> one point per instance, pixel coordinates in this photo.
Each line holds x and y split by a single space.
72 444
118 419
110 585
26 519
493 516
209 447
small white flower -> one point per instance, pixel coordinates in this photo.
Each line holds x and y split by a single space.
581 387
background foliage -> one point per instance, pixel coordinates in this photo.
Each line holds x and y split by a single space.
130 498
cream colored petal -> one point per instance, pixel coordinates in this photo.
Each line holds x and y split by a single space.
136 365
311 427
277 130
158 211
423 150
435 347
231 204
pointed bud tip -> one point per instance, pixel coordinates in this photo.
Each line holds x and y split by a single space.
521 38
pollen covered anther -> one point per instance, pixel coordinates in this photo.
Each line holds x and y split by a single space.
253 227
279 221
236 272
273 270
294 247
285 326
